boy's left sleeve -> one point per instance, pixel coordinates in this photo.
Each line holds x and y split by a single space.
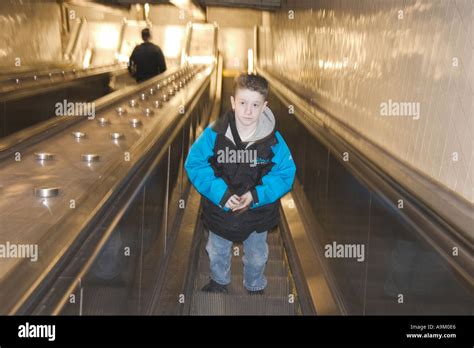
279 180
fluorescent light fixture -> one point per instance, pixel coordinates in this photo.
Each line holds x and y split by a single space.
190 8
173 41
250 61
87 59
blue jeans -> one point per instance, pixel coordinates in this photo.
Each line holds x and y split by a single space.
254 259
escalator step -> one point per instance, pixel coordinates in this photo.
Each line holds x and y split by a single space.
208 304
277 287
274 237
222 304
104 300
254 305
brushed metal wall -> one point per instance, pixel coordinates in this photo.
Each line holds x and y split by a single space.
398 72
31 32
395 259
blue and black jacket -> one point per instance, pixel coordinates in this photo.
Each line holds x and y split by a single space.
218 168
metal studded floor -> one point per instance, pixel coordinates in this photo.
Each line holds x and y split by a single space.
280 297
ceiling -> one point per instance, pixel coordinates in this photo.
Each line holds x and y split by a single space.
254 4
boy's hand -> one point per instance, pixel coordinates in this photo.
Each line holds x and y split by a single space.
245 200
233 202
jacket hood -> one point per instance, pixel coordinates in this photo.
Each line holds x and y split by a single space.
265 127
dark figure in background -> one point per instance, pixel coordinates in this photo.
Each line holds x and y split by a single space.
147 59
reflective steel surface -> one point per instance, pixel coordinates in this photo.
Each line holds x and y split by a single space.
395 271
70 172
397 72
30 34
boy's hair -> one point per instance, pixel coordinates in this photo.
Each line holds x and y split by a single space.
253 82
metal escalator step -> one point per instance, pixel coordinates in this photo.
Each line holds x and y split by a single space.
275 252
274 238
277 287
208 304
104 300
272 269
225 304
258 305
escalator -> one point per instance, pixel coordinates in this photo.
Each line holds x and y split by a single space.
167 264
135 243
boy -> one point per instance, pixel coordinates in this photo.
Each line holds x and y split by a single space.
241 166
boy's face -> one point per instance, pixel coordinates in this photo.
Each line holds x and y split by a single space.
248 106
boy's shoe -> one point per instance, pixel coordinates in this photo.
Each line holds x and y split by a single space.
212 286
257 292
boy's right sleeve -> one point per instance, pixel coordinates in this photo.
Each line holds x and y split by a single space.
200 172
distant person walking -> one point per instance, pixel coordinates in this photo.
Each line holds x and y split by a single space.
147 59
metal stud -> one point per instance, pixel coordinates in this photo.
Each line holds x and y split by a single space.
148 112
117 136
90 157
44 156
78 135
120 110
135 122
46 192
103 121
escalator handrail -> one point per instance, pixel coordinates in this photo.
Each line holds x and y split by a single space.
26 81
36 133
